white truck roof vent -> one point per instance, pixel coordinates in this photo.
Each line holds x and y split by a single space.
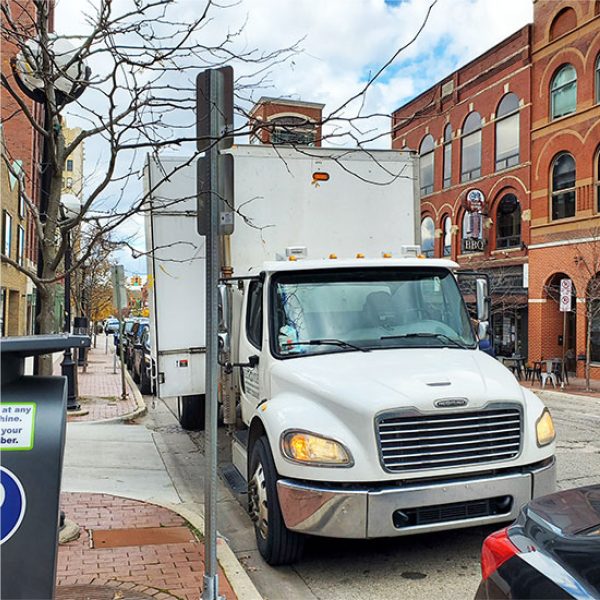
297 251
410 251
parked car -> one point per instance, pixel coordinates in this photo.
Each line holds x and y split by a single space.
127 326
111 325
133 337
551 551
143 369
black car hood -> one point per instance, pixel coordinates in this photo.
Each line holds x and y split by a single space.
569 513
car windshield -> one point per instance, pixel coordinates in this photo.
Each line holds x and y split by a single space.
346 310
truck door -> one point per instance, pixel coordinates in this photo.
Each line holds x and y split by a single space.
251 341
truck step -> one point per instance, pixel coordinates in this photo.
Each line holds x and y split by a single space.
233 479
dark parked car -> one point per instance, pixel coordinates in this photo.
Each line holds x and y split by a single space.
551 551
133 337
143 368
127 326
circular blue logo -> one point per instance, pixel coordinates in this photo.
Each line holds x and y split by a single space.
12 504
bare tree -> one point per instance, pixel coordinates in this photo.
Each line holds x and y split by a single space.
139 98
587 259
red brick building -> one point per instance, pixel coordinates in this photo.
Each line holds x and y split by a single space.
283 121
472 132
565 176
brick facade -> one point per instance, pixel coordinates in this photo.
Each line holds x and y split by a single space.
566 32
479 87
279 120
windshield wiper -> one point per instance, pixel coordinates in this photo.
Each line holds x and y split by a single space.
439 336
329 342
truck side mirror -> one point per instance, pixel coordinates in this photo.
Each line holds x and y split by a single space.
483 310
223 310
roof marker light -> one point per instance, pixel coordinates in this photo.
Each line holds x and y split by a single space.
387 255
360 255
333 256
292 258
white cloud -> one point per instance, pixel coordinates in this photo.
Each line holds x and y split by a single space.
344 42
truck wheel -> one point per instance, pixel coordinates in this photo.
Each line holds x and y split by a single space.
276 543
145 383
192 412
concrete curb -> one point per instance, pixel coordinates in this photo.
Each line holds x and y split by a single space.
239 580
563 394
140 410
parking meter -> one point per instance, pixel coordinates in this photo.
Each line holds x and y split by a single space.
32 439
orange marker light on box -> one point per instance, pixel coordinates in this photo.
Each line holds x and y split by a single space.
360 255
333 256
292 258
387 255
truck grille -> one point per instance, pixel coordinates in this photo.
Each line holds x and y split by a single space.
415 441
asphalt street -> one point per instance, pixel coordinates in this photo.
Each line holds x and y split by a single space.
440 566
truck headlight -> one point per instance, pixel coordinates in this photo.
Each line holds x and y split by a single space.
310 449
544 429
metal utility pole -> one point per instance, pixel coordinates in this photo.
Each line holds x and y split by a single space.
120 301
214 118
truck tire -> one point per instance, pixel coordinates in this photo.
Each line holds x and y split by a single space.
145 383
191 411
276 543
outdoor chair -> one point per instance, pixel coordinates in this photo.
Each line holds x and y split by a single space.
548 374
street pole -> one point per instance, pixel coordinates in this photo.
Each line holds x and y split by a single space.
121 330
68 365
211 578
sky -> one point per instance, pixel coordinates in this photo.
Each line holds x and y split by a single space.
344 42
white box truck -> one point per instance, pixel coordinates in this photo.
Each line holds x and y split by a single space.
361 403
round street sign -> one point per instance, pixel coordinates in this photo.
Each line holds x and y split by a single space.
12 504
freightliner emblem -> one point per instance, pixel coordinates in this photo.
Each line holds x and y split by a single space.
451 402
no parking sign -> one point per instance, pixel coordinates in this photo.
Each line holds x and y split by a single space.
566 291
12 504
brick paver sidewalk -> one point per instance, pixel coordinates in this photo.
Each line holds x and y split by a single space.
160 569
100 388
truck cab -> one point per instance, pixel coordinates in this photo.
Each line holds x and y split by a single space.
368 409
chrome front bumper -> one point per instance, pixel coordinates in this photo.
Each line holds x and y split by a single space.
367 512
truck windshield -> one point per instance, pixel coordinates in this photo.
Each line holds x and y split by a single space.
345 310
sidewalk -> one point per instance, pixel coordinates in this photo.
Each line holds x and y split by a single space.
100 388
140 537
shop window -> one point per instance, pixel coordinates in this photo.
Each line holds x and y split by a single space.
447 249
471 148
292 130
426 165
508 222
69 165
427 237
563 186
472 232
447 156
563 92
6 233
507 132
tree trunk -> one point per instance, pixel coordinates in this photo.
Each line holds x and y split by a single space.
47 324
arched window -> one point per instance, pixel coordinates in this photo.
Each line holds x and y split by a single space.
598 79
597 177
563 92
471 148
564 21
472 232
563 186
447 249
508 222
427 237
426 165
507 132
447 156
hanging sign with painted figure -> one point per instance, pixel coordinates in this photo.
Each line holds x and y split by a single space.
566 293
